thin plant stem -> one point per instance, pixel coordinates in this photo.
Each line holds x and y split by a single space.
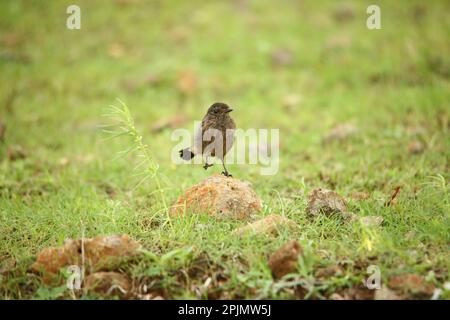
125 127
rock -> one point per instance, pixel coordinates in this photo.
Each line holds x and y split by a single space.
219 196
416 147
358 293
108 283
284 260
327 272
327 202
372 221
99 253
341 132
412 284
386 294
269 225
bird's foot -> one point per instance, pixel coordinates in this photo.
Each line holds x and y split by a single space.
226 174
207 165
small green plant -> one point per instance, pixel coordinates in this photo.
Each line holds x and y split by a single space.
50 293
160 265
123 125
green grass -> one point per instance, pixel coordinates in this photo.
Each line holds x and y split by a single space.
55 85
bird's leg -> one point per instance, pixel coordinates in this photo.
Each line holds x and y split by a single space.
225 173
207 165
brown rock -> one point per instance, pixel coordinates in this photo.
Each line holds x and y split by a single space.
102 252
108 283
269 225
99 253
327 272
358 293
51 259
284 260
327 202
412 284
220 196
416 147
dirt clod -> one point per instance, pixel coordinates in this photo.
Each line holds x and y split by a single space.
412 284
284 260
327 202
100 253
269 225
327 272
416 147
219 196
358 293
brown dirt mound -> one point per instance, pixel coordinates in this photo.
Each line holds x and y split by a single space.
284 260
220 196
99 253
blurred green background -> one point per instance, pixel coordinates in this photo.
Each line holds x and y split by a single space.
301 66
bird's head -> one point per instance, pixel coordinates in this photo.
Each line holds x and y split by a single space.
219 109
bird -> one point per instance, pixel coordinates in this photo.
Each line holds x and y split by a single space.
214 138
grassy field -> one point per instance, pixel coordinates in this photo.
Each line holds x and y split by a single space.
301 66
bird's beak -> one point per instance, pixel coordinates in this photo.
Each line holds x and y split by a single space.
229 110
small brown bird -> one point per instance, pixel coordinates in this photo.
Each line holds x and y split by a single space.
215 137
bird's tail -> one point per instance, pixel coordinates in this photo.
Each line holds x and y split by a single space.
186 154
